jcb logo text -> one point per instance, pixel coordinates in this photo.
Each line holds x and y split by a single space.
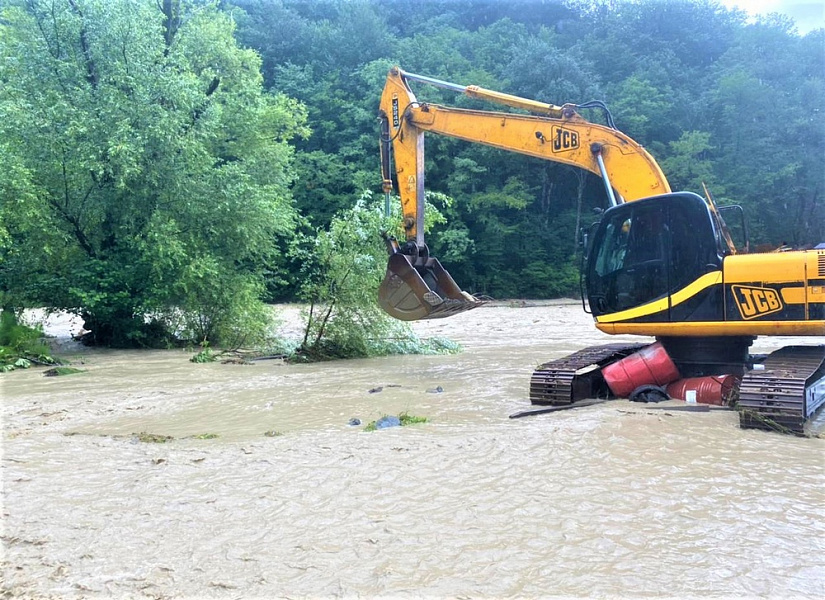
755 302
564 139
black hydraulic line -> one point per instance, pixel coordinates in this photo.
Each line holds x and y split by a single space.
600 105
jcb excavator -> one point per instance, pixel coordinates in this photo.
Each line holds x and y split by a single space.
658 263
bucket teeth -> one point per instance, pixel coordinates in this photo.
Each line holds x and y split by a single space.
421 290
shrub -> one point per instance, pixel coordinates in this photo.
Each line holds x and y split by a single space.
342 272
20 345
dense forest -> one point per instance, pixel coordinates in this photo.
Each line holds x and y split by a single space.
184 160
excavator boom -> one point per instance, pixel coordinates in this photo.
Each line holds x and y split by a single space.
416 286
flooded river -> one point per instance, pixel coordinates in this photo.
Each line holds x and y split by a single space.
613 500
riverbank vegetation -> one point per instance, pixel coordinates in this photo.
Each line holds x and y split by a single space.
21 346
168 168
341 270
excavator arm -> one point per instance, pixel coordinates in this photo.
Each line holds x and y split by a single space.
663 265
416 286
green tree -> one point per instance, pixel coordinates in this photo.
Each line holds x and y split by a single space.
689 165
639 108
769 119
342 269
149 173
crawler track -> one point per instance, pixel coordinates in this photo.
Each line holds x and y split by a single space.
784 395
567 380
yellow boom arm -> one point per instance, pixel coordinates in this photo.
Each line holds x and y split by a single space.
556 133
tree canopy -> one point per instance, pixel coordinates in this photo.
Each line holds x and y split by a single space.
717 100
145 170
159 157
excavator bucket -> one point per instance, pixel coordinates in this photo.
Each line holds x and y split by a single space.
420 288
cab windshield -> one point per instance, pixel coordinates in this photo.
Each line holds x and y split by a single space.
646 250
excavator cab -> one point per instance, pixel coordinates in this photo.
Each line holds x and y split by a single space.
416 286
650 249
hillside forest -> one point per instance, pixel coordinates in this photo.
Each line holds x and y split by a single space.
167 167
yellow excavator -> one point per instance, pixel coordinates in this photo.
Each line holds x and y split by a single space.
658 263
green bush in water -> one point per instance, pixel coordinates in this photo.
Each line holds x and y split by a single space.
343 268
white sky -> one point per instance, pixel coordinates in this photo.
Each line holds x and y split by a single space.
808 14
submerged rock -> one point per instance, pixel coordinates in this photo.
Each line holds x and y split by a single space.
388 421
355 421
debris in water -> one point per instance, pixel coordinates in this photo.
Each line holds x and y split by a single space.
541 411
436 390
391 421
58 371
649 393
408 419
151 438
236 361
355 421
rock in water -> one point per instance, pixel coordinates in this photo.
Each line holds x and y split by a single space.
385 422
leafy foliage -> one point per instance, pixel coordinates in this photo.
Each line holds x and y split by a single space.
408 419
165 165
155 168
343 267
206 355
21 346
404 419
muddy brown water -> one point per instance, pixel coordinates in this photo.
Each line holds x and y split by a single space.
610 500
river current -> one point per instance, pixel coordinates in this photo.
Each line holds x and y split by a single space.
265 490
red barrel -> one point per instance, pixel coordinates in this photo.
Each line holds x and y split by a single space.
714 389
650 365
